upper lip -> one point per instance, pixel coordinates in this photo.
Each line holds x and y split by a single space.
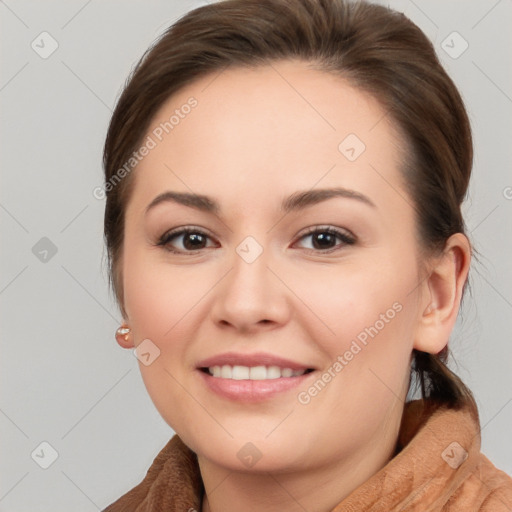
257 359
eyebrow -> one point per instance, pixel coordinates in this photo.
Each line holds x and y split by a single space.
297 201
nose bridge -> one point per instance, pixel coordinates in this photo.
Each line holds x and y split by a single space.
250 292
249 277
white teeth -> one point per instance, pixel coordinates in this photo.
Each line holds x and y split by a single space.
258 373
273 372
238 372
286 372
226 372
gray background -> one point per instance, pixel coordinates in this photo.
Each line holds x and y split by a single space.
64 380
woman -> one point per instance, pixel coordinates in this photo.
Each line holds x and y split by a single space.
284 181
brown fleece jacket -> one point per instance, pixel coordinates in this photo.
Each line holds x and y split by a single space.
438 467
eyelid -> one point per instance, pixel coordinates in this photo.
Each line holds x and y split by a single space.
328 228
164 240
347 237
184 229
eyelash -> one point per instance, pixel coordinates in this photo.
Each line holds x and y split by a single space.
345 237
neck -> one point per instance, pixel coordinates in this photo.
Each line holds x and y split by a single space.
318 488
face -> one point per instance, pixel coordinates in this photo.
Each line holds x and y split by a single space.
294 282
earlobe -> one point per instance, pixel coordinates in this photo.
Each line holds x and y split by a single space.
443 293
124 336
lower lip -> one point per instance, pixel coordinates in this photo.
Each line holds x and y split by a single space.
252 390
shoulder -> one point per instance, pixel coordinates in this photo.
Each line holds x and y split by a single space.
172 482
485 489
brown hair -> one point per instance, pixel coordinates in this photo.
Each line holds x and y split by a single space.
376 49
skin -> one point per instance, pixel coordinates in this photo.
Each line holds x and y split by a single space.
256 137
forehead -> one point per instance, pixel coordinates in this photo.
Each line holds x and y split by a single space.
279 126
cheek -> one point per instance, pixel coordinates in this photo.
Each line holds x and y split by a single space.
364 323
355 301
145 297
161 303
157 295
371 321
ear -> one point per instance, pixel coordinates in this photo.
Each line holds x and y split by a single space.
442 294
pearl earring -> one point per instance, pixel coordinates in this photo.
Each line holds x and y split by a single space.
123 332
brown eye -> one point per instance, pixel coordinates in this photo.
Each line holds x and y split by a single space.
184 240
323 240
327 239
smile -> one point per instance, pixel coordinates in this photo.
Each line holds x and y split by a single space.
238 372
249 378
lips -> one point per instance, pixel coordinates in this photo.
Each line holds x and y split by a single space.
251 377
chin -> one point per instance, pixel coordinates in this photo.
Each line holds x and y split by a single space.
248 451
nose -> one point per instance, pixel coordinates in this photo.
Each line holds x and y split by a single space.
251 297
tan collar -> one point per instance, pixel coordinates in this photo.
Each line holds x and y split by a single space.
438 449
436 452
